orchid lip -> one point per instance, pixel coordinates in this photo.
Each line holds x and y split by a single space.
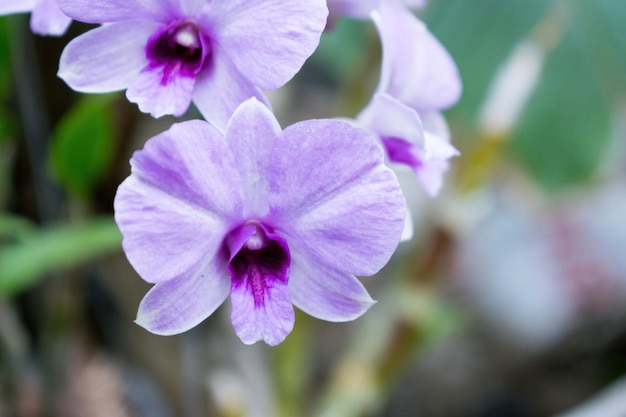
258 259
402 152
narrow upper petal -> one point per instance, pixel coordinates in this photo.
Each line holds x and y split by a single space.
98 11
324 292
159 98
107 58
48 19
220 89
15 6
437 148
416 68
177 305
332 194
268 40
390 118
179 202
251 134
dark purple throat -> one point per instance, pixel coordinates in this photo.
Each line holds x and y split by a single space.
180 48
260 260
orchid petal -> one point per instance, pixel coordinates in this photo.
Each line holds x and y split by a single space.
270 323
179 304
340 201
431 175
98 11
389 118
416 68
407 232
435 123
261 305
108 58
437 148
251 134
220 89
48 19
179 202
324 292
158 97
15 6
361 9
268 40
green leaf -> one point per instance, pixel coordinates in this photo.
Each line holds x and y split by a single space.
5 60
15 227
8 126
565 129
83 144
602 25
24 264
480 35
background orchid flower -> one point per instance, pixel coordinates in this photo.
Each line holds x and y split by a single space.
361 9
418 80
272 217
46 17
168 53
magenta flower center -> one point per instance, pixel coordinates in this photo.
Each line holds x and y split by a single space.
258 260
179 48
403 152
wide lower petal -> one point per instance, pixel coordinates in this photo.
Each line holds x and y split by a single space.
333 194
268 40
326 293
271 322
179 202
160 98
107 58
177 305
259 269
48 19
220 89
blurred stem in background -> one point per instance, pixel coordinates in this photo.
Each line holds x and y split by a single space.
414 318
508 96
34 118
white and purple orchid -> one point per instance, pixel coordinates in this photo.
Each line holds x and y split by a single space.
272 217
167 53
46 18
418 80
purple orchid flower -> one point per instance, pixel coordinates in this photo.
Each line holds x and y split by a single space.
272 217
46 18
167 53
418 80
